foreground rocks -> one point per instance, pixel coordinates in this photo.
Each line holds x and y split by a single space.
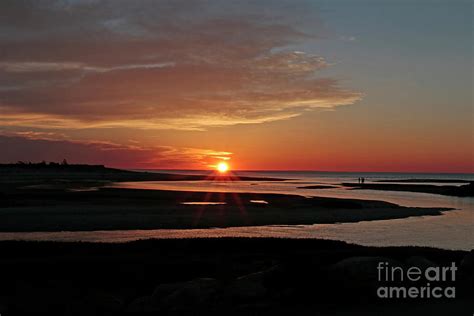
203 293
215 276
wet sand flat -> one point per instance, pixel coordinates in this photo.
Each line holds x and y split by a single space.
33 209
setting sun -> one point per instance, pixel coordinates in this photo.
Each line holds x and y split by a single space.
222 167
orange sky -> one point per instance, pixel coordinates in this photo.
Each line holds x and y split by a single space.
270 85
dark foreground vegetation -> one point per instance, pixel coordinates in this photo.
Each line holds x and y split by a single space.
224 276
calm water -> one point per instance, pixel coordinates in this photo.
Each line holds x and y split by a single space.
452 230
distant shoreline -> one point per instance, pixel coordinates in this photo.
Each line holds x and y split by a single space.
426 181
466 190
29 174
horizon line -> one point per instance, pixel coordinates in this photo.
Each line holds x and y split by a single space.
302 170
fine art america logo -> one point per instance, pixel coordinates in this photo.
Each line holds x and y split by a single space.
415 282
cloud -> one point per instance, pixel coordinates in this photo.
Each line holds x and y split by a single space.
159 64
47 146
32 67
348 38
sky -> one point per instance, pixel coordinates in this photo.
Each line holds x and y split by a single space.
341 85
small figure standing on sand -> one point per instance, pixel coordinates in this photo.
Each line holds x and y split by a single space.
362 180
358 180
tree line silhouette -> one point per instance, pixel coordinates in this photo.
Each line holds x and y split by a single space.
42 163
64 164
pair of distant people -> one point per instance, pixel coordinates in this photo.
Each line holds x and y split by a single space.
361 180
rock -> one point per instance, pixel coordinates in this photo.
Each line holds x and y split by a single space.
252 286
163 290
248 286
103 302
177 296
467 263
193 294
153 302
358 276
420 262
364 268
139 305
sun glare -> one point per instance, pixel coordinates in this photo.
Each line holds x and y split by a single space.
222 167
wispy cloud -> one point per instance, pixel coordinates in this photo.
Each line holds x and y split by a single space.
158 65
348 38
32 67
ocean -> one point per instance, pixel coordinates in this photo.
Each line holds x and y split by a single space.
452 230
